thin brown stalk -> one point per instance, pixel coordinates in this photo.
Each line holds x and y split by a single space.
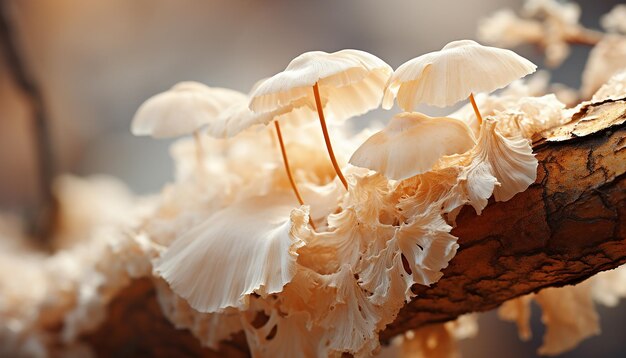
331 153
283 151
479 117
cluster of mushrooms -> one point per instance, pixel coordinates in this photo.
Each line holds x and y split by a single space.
330 264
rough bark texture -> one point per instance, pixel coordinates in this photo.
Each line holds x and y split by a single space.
566 227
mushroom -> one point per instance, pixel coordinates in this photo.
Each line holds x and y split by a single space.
411 144
238 117
249 247
615 20
442 78
183 109
340 84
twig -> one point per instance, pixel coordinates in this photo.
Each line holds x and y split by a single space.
44 217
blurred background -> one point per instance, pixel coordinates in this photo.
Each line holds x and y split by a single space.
97 61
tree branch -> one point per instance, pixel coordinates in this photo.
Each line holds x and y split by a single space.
568 226
44 216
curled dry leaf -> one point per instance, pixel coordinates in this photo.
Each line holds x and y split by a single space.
614 89
589 119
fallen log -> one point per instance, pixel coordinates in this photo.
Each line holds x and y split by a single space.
569 225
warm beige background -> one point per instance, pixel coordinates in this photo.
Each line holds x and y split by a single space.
98 60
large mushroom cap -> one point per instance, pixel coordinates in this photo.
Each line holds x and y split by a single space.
351 82
442 78
411 144
182 109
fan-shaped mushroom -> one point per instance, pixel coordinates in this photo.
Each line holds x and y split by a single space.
343 83
444 77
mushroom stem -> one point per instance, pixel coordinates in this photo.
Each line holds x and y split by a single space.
320 113
199 150
287 169
478 116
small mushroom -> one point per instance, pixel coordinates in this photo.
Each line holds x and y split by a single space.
184 109
340 84
443 78
411 144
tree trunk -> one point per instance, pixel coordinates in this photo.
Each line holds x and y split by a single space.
566 227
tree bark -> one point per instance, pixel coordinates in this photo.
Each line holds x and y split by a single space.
566 227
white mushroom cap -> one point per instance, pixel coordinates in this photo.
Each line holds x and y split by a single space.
411 144
442 78
182 109
351 82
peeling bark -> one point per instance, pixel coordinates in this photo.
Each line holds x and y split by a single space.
566 227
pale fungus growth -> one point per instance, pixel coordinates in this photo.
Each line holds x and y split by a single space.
605 60
462 68
250 247
438 340
569 316
615 20
340 84
411 144
511 159
504 28
298 255
183 110
550 24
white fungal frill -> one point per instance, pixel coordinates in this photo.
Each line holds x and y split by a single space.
531 115
209 328
442 78
351 321
427 245
411 144
568 313
438 340
511 159
181 110
350 83
248 247
615 20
